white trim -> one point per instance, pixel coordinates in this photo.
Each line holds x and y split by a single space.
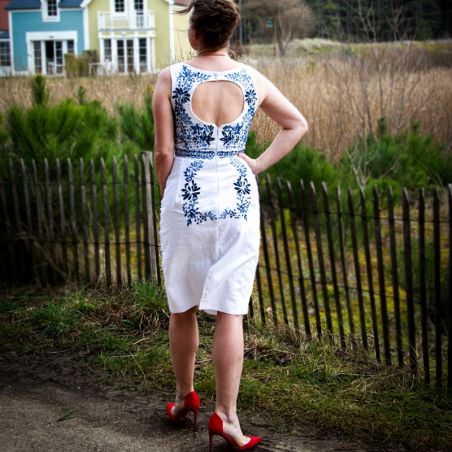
46 36
44 11
85 30
11 46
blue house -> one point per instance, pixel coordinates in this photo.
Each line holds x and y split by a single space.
42 31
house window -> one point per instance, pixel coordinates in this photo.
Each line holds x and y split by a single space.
5 55
38 57
107 50
52 8
70 46
143 55
119 6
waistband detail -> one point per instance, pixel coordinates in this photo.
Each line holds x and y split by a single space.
204 154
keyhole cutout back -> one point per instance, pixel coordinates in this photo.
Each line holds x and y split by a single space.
218 102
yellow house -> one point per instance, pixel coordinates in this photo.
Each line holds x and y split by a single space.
136 36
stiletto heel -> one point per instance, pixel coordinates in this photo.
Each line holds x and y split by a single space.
215 427
191 403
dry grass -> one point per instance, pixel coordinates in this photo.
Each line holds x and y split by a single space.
342 90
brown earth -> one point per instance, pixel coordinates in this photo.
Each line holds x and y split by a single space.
55 402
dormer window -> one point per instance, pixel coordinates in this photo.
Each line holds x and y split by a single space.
50 12
52 9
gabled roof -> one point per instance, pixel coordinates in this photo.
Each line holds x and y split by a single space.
36 4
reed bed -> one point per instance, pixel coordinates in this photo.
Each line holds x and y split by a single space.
341 92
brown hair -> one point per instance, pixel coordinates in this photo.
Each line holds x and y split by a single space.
214 20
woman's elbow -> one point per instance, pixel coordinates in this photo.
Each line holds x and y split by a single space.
302 127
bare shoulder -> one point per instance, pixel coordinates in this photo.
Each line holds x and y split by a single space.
164 75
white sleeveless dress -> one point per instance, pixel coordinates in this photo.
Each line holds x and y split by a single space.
209 215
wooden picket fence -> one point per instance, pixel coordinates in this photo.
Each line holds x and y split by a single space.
369 271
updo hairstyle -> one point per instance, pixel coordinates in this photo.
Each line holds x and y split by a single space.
214 21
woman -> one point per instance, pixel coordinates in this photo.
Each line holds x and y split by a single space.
209 226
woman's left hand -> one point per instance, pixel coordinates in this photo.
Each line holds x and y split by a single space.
252 163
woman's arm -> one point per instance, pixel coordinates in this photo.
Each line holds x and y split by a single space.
283 112
163 128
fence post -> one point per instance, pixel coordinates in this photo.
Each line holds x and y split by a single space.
30 238
359 289
409 281
116 224
287 255
305 226
449 310
293 219
84 221
126 219
340 224
381 277
422 286
395 275
437 286
332 256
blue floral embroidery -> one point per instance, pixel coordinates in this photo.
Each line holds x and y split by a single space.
191 192
200 140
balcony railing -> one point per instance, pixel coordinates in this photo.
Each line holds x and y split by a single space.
137 20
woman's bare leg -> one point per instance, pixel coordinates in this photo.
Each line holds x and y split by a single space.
228 349
184 341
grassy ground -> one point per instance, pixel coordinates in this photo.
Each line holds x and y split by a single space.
292 382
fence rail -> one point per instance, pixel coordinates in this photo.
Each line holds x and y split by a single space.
369 271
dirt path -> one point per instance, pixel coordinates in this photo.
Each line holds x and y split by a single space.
54 403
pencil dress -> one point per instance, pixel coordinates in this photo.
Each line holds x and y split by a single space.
209 214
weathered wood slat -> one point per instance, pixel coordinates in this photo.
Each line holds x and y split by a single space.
40 230
449 306
136 169
50 222
273 215
381 277
125 183
409 280
8 271
18 232
84 221
260 296
332 257
321 261
62 235
307 236
106 209
287 256
437 288
422 285
395 276
73 220
359 289
373 309
94 209
28 219
147 220
341 233
294 209
116 224
155 257
268 268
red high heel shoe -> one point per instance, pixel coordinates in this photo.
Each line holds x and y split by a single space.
215 427
191 403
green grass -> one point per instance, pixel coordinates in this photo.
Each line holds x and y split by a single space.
287 380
